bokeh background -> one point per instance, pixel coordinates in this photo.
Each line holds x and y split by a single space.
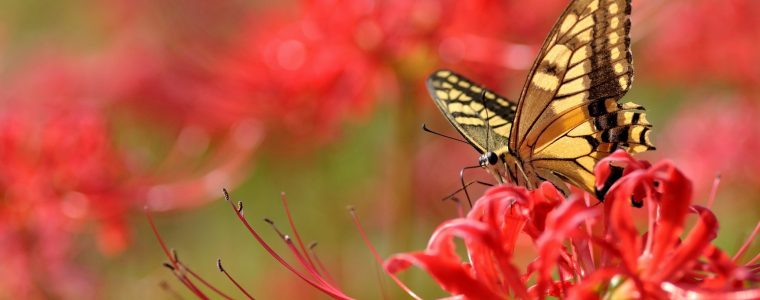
111 106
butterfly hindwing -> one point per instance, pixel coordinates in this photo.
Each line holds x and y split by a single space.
568 116
467 106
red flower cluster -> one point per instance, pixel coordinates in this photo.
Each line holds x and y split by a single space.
714 137
716 41
64 174
595 252
60 172
313 66
582 251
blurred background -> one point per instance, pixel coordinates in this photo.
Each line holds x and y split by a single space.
110 106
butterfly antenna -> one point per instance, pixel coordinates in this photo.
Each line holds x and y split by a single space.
428 130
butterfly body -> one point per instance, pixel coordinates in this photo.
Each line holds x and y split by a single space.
568 116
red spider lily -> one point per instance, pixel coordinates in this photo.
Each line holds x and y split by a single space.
315 274
489 231
309 268
693 40
595 252
582 251
311 66
713 137
290 66
60 173
64 175
166 55
300 71
506 40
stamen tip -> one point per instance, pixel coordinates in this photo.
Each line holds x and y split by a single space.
219 265
168 266
226 194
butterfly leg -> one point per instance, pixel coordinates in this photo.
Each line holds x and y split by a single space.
451 196
464 186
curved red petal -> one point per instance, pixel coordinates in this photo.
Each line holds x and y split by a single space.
590 287
451 276
674 202
691 248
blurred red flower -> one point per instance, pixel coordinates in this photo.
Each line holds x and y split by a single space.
60 174
302 74
302 64
705 40
714 136
65 174
596 252
582 251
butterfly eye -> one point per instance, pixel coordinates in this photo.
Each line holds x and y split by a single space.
492 158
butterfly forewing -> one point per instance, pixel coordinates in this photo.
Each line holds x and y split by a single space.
480 115
568 116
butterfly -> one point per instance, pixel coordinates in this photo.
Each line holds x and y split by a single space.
568 116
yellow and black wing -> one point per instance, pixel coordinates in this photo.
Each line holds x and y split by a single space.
480 115
568 116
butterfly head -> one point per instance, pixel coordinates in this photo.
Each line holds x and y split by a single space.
494 164
488 159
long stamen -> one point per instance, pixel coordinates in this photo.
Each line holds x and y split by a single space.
184 268
754 259
379 260
177 267
300 256
323 270
158 236
713 192
221 269
327 290
380 281
293 228
185 281
747 242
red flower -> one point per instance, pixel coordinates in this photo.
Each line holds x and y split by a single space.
64 175
582 252
693 40
712 137
314 272
302 74
596 252
60 173
489 232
